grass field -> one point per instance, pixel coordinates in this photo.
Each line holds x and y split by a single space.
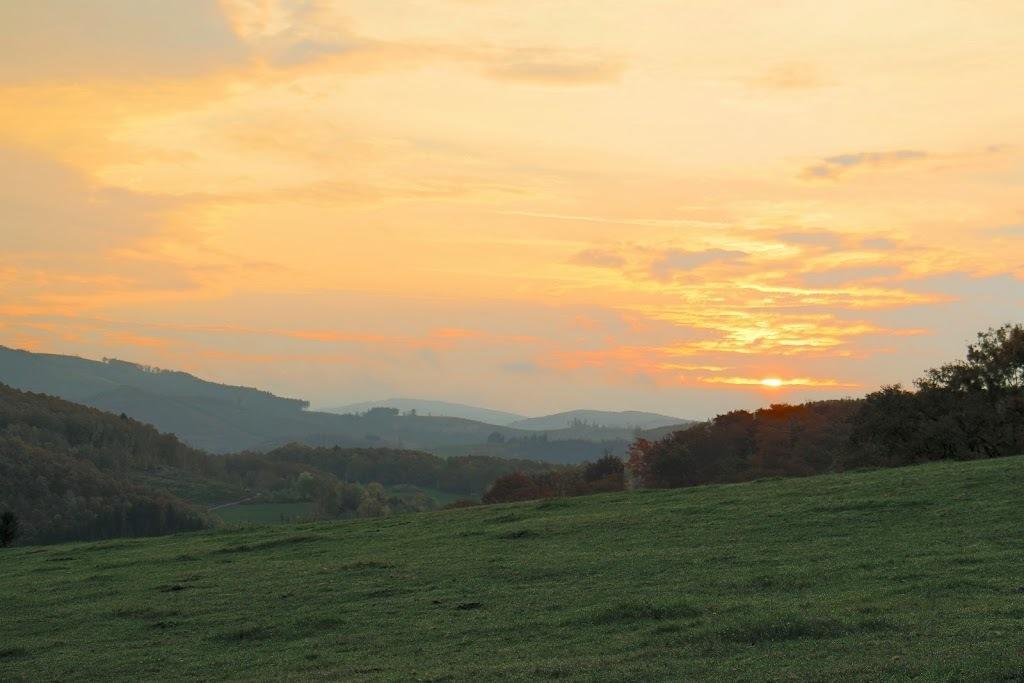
264 513
886 575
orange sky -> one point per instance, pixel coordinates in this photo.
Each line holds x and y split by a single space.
529 205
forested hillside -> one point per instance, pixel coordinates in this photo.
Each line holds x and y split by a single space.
468 475
68 471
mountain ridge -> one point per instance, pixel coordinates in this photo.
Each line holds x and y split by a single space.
432 408
223 418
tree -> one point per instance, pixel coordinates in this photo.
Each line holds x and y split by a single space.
305 485
9 528
984 392
374 502
639 460
512 487
607 466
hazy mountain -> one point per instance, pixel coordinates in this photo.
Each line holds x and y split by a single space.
74 378
221 418
433 408
626 419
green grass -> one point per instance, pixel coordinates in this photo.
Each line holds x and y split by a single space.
264 513
914 573
440 497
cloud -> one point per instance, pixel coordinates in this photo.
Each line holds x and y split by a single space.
599 258
670 262
818 238
48 206
520 368
835 166
879 243
789 76
553 68
307 51
842 276
1016 230
65 41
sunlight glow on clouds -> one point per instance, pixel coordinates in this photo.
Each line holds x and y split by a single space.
534 206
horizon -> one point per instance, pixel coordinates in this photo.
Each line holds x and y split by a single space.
675 209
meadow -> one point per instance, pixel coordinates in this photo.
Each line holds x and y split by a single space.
264 513
908 573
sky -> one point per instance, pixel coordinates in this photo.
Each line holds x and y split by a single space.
678 206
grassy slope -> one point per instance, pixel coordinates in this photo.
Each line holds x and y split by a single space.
264 513
869 576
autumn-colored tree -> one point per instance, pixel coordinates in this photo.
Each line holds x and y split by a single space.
638 460
512 487
374 502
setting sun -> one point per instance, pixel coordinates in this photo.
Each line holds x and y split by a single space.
309 197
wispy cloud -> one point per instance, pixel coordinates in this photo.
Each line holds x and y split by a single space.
843 276
599 258
833 167
1014 230
790 76
553 68
674 261
814 238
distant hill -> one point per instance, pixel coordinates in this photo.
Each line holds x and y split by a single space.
626 419
207 415
428 407
75 378
221 418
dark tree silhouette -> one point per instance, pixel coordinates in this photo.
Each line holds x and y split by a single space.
9 529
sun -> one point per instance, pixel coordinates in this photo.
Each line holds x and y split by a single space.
771 382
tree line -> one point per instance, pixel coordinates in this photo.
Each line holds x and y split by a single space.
967 409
